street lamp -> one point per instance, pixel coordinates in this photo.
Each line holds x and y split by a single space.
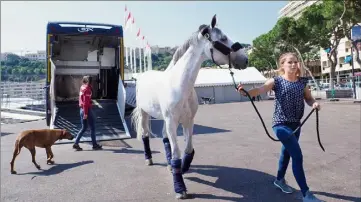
357 44
353 72
355 41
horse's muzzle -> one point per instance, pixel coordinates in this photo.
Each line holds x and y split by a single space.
240 64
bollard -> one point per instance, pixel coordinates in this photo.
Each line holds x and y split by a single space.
333 95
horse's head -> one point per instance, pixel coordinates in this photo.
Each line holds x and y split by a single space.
219 46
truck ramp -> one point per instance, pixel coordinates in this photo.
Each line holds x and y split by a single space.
109 123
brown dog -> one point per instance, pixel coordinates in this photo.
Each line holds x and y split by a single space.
43 138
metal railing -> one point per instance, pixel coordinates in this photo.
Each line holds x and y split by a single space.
28 94
343 88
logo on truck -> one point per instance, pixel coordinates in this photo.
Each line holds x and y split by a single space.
85 29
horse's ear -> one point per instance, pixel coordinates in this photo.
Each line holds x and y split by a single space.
214 21
201 27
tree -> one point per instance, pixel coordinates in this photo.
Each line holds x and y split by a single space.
14 71
263 52
208 63
292 36
350 18
321 23
22 70
12 59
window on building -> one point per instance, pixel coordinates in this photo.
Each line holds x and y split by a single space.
347 45
324 64
341 60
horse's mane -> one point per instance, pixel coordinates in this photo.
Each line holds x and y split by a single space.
192 40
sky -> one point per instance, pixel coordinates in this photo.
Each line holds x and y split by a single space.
23 23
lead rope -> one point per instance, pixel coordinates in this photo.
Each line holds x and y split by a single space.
264 126
259 115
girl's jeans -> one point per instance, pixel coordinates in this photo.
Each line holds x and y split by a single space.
292 149
84 122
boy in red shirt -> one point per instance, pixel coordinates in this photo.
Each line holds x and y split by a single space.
86 114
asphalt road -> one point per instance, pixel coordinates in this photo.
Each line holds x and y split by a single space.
234 161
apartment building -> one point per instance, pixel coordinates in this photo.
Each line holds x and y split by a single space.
161 50
322 68
344 64
39 55
294 9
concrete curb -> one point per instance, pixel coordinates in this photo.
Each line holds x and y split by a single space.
17 121
24 111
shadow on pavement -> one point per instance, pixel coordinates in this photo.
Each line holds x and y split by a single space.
5 134
57 168
250 185
157 126
126 151
337 196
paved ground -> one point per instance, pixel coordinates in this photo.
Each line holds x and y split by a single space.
13 118
234 161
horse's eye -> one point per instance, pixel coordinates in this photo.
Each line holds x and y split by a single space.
224 38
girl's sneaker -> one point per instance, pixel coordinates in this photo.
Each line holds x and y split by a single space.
309 197
282 184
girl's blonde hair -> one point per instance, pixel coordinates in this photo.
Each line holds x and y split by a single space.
282 60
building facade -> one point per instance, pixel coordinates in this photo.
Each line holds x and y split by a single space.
160 50
294 9
344 63
322 67
39 56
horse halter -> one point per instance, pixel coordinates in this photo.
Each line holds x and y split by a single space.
225 50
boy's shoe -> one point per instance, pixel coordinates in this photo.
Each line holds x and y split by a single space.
282 184
97 147
310 197
77 147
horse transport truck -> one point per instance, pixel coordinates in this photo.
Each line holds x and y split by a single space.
73 51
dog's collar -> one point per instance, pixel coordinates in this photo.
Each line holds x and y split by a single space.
62 134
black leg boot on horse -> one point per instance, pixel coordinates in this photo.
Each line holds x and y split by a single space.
186 161
147 151
179 186
168 152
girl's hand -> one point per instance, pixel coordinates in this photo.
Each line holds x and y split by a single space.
316 106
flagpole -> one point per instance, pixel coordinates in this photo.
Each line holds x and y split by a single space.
149 57
135 62
140 59
140 52
143 46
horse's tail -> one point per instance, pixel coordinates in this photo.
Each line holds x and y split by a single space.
137 117
136 120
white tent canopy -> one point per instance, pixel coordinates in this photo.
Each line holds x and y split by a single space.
222 77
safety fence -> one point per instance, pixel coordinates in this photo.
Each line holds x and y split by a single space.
343 88
28 95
